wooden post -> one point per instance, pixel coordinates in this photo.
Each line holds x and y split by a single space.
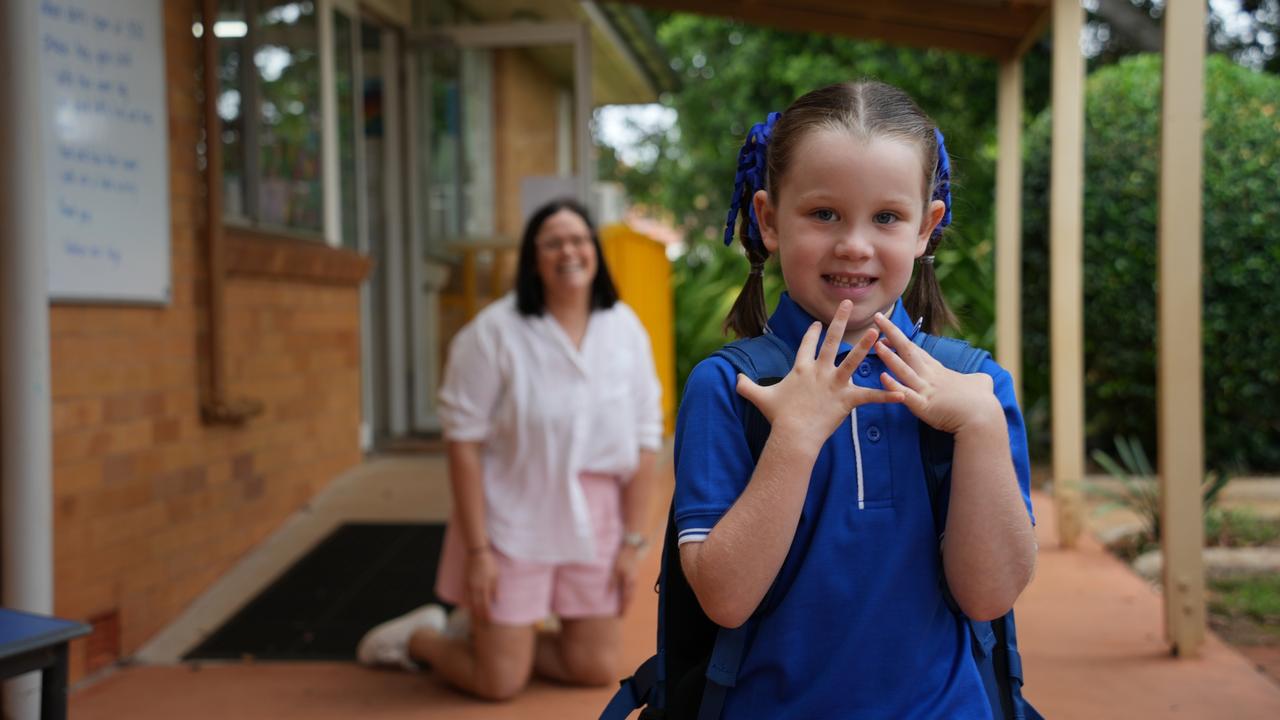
1009 221
1066 257
1181 412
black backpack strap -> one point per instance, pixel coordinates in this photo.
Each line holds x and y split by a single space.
722 670
634 692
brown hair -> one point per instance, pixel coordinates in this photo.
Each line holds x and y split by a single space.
867 109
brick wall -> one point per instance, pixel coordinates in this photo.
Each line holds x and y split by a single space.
525 119
151 505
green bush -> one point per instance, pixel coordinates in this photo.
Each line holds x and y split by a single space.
706 281
732 75
1239 527
1241 260
1258 598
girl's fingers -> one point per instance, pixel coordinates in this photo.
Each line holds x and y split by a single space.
899 366
900 342
856 355
748 389
835 333
891 384
866 396
808 344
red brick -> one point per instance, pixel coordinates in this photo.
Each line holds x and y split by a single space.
119 469
166 430
151 504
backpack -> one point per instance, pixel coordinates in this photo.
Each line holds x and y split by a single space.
697 661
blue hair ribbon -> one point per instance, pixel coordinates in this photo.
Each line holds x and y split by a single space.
750 177
942 183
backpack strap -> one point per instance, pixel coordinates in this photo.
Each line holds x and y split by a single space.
1007 637
766 359
936 448
722 670
647 685
994 643
953 353
761 358
634 691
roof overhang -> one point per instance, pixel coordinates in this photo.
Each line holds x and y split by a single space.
999 29
627 65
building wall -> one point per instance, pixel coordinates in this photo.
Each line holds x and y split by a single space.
525 120
152 505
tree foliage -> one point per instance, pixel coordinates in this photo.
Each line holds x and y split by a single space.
1247 31
732 76
1241 261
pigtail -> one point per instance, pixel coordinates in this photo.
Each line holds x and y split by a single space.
924 298
749 316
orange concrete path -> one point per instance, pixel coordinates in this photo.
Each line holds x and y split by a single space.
1090 632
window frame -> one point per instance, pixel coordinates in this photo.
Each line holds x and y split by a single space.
250 108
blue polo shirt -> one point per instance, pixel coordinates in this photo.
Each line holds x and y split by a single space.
856 625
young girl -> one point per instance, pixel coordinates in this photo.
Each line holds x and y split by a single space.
849 187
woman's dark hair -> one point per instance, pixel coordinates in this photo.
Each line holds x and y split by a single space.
867 109
530 297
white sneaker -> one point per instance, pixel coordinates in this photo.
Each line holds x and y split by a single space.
388 643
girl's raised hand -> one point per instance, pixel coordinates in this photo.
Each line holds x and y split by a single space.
817 395
945 399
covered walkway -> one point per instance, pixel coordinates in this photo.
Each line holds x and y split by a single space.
1091 633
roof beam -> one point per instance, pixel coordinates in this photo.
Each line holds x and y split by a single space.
1010 23
845 22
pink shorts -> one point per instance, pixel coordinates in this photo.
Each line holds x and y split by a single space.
529 591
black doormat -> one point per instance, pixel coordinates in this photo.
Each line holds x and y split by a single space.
359 576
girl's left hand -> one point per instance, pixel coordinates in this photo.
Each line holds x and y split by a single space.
625 568
945 399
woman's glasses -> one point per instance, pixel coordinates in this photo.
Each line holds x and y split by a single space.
555 245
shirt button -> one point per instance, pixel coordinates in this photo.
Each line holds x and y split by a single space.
873 434
864 369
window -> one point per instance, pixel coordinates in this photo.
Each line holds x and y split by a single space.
344 77
269 103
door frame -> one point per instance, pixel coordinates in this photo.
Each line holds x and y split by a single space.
514 36
384 376
419 43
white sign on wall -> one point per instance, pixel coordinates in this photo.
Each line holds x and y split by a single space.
106 153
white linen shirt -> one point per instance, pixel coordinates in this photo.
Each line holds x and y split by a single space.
546 411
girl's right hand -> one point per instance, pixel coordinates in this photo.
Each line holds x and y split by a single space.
817 395
482 582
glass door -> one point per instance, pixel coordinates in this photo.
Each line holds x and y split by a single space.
453 194
367 90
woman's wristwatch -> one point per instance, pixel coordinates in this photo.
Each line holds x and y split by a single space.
635 540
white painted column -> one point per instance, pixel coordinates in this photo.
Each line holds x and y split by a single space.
26 495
